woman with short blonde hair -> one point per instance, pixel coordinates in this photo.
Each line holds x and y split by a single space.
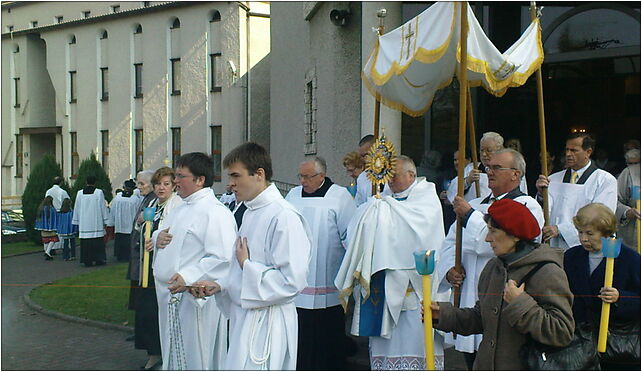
597 215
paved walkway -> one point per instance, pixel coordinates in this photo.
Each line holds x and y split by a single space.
33 341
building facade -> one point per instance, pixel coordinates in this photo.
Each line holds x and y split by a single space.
136 83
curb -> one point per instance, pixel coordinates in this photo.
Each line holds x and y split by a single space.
74 319
21 254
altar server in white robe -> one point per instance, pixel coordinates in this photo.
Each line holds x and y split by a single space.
198 243
488 144
505 168
581 183
328 209
123 211
270 270
58 194
91 215
379 267
364 186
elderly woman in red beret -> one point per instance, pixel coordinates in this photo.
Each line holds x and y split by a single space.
508 311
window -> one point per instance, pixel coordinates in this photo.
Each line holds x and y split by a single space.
9 28
34 24
74 155
138 76
138 138
139 29
216 131
176 76
73 86
176 24
216 16
104 135
213 63
59 19
310 130
176 145
16 92
115 8
73 40
145 4
86 13
19 155
104 94
104 35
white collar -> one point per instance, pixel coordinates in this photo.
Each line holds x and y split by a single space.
267 196
197 195
583 169
406 192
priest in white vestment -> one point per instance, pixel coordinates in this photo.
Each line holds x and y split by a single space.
328 209
197 243
91 215
505 170
488 144
581 183
270 269
379 269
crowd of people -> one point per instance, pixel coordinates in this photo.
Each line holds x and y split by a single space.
255 280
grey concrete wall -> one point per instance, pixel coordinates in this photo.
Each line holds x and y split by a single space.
298 47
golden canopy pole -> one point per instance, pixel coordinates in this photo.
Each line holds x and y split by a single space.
463 88
542 128
473 138
381 14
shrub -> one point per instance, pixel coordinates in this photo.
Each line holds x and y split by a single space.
91 167
39 181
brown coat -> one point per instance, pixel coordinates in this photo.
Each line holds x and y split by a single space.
504 326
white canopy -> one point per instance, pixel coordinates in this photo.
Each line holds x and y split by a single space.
411 62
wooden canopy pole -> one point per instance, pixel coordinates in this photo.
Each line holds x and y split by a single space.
542 129
473 138
463 88
381 15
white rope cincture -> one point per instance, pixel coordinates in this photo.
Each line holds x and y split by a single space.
257 322
176 350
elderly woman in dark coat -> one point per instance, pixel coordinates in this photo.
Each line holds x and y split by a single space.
585 266
506 314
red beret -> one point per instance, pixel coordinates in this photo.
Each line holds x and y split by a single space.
514 218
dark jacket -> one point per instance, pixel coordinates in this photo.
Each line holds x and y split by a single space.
504 326
626 279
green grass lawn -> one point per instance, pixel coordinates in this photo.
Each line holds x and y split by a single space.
10 249
99 295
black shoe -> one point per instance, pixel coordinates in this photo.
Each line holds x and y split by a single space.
157 364
48 257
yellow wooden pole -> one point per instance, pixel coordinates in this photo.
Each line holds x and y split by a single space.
473 138
606 308
430 353
148 235
637 226
542 129
463 88
381 14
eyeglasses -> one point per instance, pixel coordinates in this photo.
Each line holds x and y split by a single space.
181 176
486 151
306 177
496 168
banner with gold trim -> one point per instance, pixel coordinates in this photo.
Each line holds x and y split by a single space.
410 63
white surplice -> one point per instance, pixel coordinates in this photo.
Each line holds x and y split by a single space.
383 235
328 218
123 211
475 253
484 190
364 189
58 194
260 297
565 199
203 235
91 214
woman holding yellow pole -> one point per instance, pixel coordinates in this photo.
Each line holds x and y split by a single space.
586 266
506 313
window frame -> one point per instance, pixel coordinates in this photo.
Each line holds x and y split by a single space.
19 156
176 76
176 144
104 143
86 13
138 80
73 81
216 150
75 158
139 149
16 92
115 8
214 57
104 84
59 18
